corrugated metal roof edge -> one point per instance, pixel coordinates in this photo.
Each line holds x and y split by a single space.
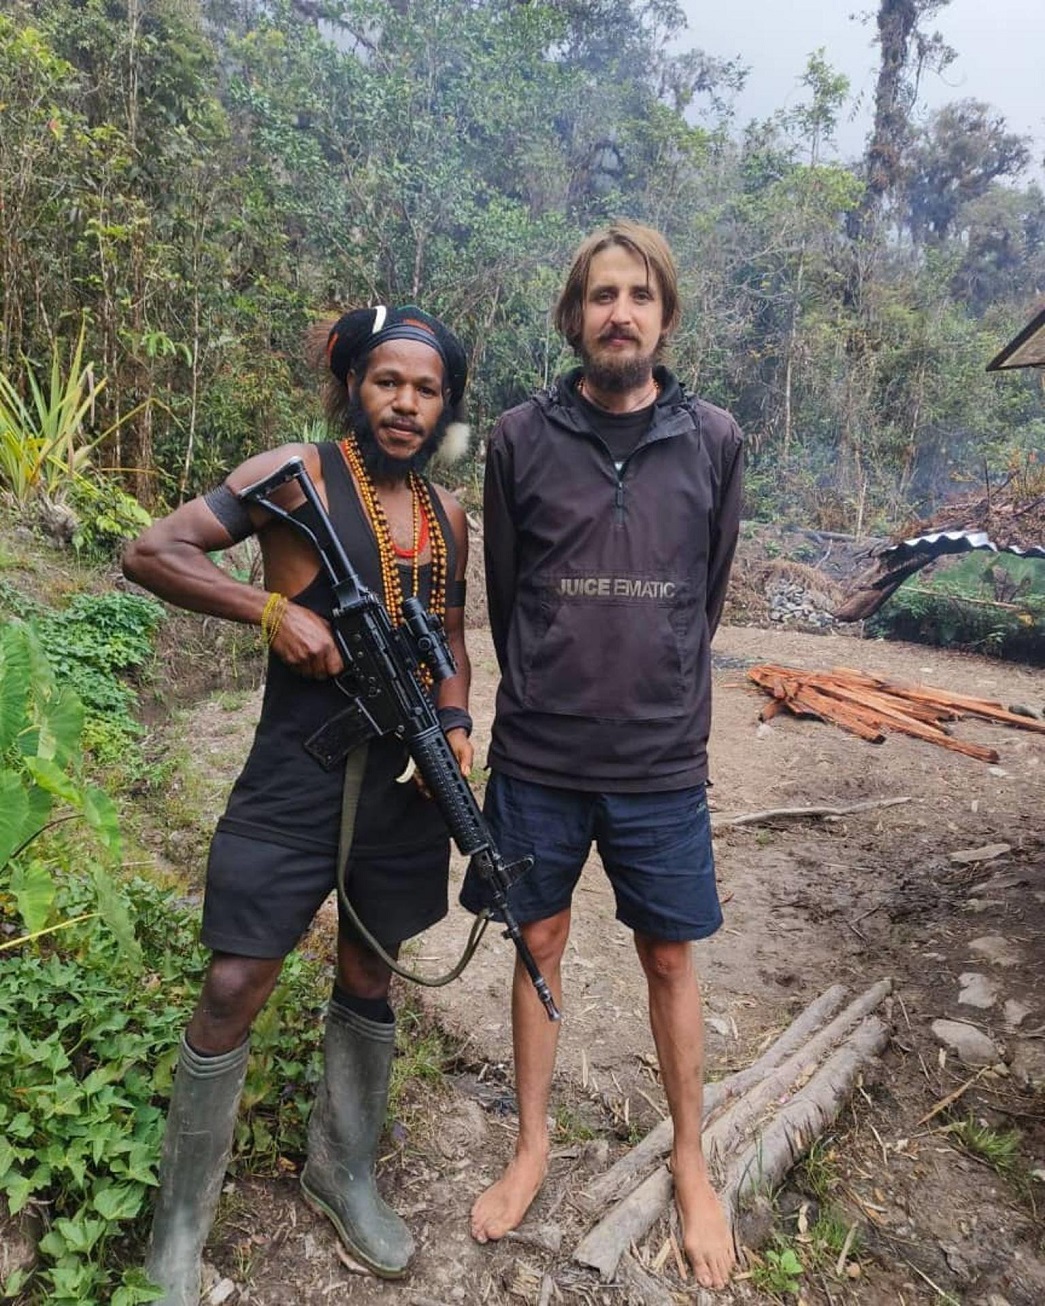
958 542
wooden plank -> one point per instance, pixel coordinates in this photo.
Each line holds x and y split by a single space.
908 726
830 709
889 699
890 702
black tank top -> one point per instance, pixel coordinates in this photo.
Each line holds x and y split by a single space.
283 795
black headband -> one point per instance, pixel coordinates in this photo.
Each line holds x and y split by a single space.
356 334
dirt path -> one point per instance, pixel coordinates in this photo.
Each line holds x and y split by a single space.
807 904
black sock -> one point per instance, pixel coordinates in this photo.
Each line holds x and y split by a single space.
375 1009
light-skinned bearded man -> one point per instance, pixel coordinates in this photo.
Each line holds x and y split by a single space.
611 514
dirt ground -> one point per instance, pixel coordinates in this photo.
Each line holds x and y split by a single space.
807 904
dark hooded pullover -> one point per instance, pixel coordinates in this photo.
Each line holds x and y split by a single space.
605 584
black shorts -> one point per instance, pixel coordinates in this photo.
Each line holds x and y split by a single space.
655 848
261 897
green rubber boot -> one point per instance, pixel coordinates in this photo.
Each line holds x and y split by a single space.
343 1134
196 1151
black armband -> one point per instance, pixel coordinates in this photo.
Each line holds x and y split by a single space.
454 718
230 511
455 593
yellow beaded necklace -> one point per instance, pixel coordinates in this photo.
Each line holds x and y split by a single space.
421 503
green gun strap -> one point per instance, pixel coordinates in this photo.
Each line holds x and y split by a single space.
355 766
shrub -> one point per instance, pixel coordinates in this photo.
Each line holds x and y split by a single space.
91 645
994 604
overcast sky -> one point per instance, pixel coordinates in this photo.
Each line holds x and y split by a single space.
1000 46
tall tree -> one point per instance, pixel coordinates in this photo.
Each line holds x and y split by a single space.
906 49
964 149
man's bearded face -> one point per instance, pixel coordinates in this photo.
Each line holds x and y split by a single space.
622 323
398 410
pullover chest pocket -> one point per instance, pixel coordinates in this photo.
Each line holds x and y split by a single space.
611 648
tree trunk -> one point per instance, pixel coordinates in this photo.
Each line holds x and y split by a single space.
896 24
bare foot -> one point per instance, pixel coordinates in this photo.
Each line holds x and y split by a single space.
502 1207
706 1234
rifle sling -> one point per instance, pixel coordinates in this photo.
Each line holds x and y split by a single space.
355 766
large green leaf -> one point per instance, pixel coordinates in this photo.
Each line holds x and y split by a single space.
41 674
14 683
50 776
14 814
34 891
40 804
112 908
101 815
61 727
119 1201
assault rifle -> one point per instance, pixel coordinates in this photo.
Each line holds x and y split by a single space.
386 697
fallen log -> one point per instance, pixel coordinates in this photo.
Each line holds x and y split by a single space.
844 1047
790 1133
726 1133
641 1287
627 1222
634 1164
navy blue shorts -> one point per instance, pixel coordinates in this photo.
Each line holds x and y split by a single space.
656 848
261 897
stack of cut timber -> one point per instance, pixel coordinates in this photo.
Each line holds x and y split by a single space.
868 706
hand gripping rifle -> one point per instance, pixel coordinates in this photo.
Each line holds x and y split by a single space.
387 698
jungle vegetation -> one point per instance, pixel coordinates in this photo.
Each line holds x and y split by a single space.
186 184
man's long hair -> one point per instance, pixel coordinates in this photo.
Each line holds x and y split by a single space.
335 398
646 244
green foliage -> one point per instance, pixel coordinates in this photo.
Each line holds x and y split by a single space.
423 1051
830 1234
570 1127
285 1066
452 153
779 1271
64 1009
42 444
999 1148
107 517
994 603
91 644
818 1172
41 788
84 1049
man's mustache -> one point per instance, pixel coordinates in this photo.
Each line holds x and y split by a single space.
618 334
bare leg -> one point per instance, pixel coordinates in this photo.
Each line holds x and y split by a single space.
362 972
678 1032
234 991
534 1039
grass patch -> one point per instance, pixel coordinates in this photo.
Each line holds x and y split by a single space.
424 1051
999 1148
817 1174
571 1127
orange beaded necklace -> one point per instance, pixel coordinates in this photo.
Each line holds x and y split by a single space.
423 512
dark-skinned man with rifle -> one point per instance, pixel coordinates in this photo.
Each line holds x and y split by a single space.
395 378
